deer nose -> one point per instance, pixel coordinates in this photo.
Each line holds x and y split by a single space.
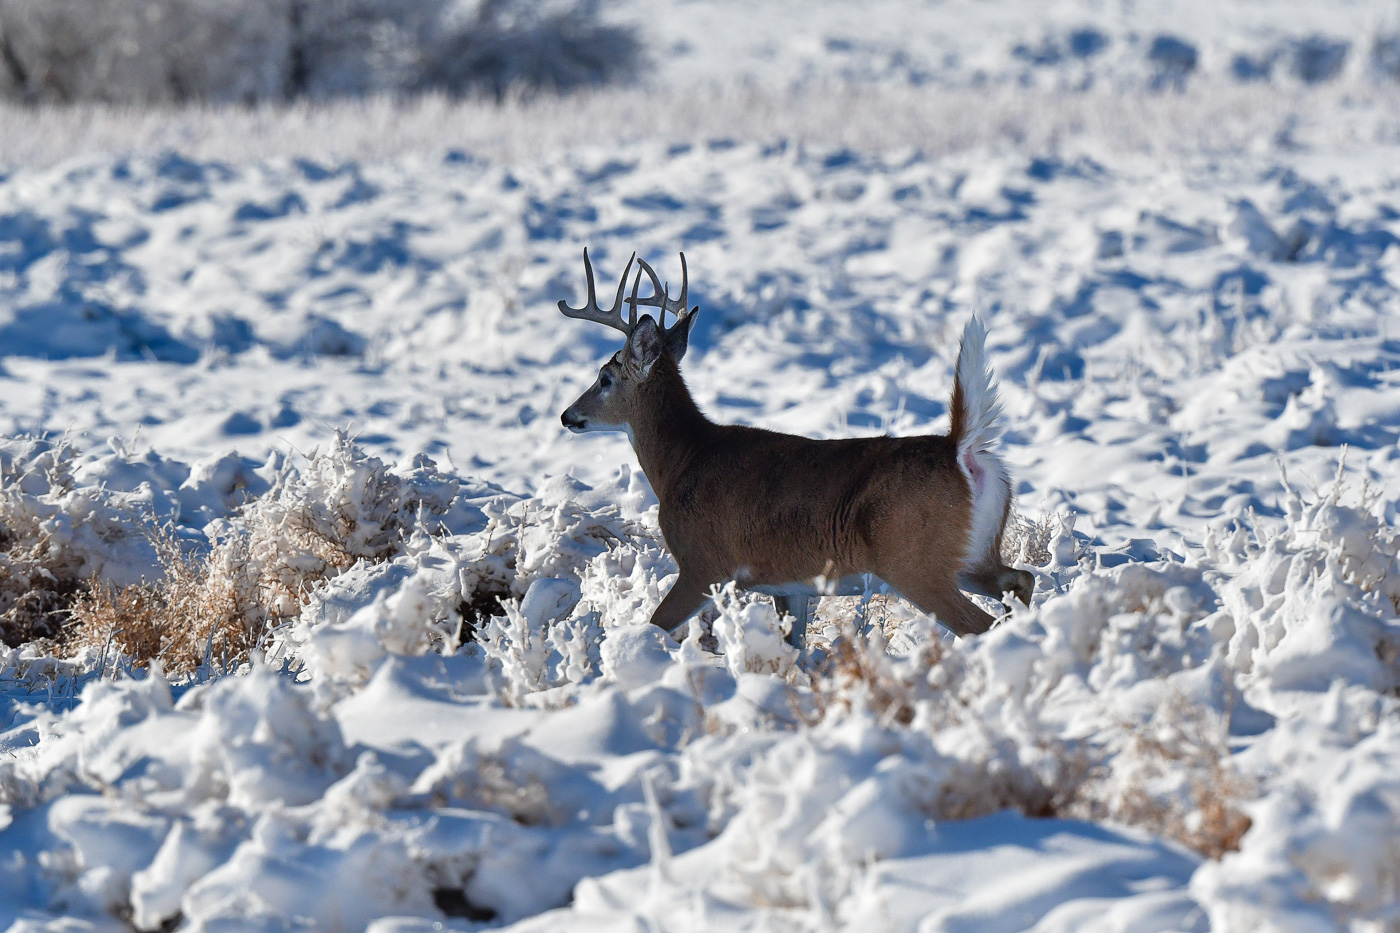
572 421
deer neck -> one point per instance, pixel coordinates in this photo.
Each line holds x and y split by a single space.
668 429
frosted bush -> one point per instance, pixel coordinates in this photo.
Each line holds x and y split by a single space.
812 807
259 739
510 780
1323 847
625 584
1316 598
534 592
636 655
526 540
1172 776
419 614
576 574
54 535
520 646
752 638
345 506
215 607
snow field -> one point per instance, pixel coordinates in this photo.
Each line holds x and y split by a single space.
404 680
1193 700
1209 643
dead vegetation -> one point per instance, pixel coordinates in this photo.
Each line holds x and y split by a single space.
43 519
204 610
858 673
1170 775
34 601
214 605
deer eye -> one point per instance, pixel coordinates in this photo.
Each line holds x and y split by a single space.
605 380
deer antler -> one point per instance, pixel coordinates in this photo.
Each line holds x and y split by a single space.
592 312
660 296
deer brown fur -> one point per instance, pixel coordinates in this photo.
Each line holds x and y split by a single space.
776 512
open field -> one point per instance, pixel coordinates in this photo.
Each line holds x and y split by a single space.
280 394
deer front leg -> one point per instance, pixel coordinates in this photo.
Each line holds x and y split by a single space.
687 595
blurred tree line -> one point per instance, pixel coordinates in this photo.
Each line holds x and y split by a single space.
251 51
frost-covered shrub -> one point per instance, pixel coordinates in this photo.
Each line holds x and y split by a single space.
520 646
1325 837
751 636
513 780
1315 598
534 591
859 674
197 613
242 51
54 536
1171 776
564 632
995 713
343 508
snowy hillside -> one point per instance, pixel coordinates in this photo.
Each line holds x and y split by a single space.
317 619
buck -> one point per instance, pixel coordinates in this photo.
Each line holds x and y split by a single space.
791 516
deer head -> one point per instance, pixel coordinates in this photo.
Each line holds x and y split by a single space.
610 403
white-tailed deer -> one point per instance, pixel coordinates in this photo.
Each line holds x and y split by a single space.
775 512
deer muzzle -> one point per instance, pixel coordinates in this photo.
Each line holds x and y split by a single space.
574 421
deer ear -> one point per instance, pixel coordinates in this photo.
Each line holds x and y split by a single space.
678 337
644 345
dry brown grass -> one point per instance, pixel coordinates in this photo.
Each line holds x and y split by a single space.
213 607
203 610
1173 777
34 600
39 575
857 673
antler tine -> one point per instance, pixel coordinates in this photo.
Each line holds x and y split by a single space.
685 285
592 312
617 299
660 297
632 302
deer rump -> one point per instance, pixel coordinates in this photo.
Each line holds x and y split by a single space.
793 516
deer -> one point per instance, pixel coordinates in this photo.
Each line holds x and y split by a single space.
794 517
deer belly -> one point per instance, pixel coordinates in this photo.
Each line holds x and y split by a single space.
851 585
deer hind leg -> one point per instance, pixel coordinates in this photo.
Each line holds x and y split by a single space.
800 608
941 598
994 579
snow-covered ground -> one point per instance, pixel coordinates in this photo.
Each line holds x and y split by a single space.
1192 300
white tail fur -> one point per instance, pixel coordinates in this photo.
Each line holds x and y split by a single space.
977 428
981 409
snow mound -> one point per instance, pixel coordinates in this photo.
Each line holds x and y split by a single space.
433 749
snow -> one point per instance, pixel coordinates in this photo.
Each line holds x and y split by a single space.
330 358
